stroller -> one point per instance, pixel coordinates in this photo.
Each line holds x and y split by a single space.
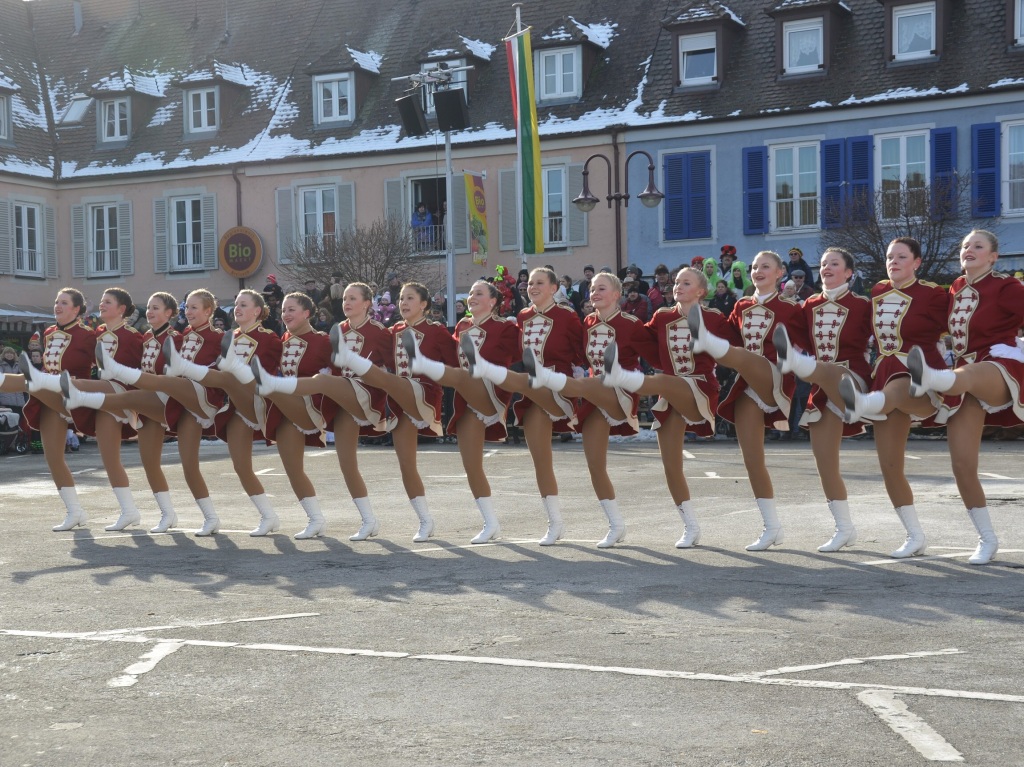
11 434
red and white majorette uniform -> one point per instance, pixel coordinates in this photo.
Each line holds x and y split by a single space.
633 341
671 332
436 343
304 355
71 348
751 324
984 317
914 315
152 360
838 329
496 340
555 336
265 345
123 345
202 346
374 342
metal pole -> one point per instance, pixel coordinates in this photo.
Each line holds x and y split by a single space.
519 155
448 228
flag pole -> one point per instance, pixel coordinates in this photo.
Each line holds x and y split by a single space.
519 161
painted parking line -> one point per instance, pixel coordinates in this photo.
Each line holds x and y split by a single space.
933 557
909 726
146 664
855 662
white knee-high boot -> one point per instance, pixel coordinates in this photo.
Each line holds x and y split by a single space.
269 523
555 523
691 529
915 542
616 524
370 526
75 514
211 522
846 533
129 512
988 544
168 517
771 535
491 526
426 529
317 524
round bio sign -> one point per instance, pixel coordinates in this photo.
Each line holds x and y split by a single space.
241 252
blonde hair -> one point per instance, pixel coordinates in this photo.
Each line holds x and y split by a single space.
208 300
993 241
702 279
774 256
258 299
614 281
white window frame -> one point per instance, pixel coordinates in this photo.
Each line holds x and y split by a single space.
1018 22
558 56
29 246
119 111
902 138
5 117
186 252
692 44
791 28
1008 180
555 227
204 124
318 216
342 84
458 81
900 13
800 221
103 240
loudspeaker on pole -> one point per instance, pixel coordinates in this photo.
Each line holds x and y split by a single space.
411 110
451 109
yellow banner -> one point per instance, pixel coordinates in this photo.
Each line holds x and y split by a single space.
477 218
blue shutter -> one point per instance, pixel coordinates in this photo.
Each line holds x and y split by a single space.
755 190
944 186
985 181
832 155
698 203
675 197
859 197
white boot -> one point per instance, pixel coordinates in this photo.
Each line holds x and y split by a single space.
555 523
616 525
129 513
370 526
176 365
701 340
478 366
846 533
924 379
790 360
269 523
75 515
615 376
231 363
691 529
343 357
114 371
317 524
988 544
426 529
75 397
915 543
267 384
168 517
37 380
771 535
418 364
540 376
857 404
211 522
491 527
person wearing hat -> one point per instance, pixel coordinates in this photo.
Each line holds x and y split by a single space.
802 289
634 274
796 261
727 259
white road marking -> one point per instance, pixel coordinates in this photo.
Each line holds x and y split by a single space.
932 557
991 475
490 453
909 726
855 662
688 454
146 664
261 472
320 453
912 457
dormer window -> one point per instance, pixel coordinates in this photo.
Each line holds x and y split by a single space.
913 32
698 59
458 80
334 98
803 44
558 73
201 108
704 32
115 125
1017 19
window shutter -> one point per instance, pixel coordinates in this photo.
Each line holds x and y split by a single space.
458 209
393 207
985 182
577 218
345 194
859 189
78 249
125 240
675 197
508 223
161 244
6 239
285 224
209 210
50 238
698 204
832 156
943 193
755 190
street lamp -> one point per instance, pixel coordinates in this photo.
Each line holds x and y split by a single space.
650 196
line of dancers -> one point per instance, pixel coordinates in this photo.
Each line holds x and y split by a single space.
365 379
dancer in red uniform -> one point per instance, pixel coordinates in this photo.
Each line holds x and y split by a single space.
986 386
906 312
415 401
760 396
554 335
838 324
125 343
688 388
604 410
360 409
480 408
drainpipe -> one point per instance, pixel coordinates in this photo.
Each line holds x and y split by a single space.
238 211
618 205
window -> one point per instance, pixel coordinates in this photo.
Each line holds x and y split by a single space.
201 109
458 80
186 234
1015 167
698 59
28 256
5 118
103 240
913 31
319 215
76 110
903 174
558 75
795 202
115 120
554 205
1018 22
687 196
803 45
333 98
